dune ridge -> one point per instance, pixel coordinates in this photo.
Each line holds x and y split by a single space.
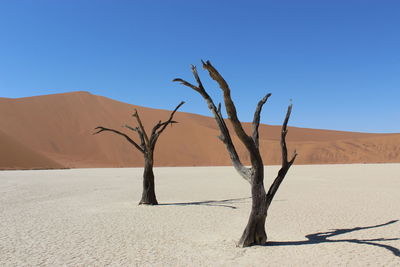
57 131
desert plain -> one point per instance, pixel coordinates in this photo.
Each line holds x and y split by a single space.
323 215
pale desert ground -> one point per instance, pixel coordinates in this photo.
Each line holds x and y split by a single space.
323 215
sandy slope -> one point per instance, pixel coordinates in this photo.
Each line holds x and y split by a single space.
60 127
16 156
90 217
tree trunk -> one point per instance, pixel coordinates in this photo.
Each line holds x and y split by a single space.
254 233
148 195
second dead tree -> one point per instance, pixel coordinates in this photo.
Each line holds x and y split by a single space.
254 233
146 147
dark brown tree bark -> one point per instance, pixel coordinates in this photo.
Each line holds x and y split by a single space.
146 147
149 194
254 233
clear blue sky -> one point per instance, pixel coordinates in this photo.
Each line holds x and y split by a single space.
338 60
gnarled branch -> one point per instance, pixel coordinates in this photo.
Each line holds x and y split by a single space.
225 136
102 129
231 109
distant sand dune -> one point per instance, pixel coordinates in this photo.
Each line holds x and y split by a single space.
60 128
15 156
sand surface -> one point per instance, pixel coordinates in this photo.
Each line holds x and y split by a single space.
59 129
323 215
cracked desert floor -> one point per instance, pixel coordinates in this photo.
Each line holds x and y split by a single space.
323 215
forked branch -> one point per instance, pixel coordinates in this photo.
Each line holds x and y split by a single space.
169 121
230 106
141 128
160 126
140 134
225 137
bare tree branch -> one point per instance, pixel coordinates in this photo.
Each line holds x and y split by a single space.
135 129
256 120
102 129
155 128
160 126
230 106
170 121
140 134
285 163
284 132
186 84
219 109
146 138
225 136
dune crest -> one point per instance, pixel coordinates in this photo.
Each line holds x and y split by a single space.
57 129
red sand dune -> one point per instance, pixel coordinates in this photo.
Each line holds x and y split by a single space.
15 156
54 131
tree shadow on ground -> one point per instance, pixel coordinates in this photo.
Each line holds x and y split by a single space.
322 237
213 203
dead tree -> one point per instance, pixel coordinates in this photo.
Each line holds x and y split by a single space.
254 233
146 147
